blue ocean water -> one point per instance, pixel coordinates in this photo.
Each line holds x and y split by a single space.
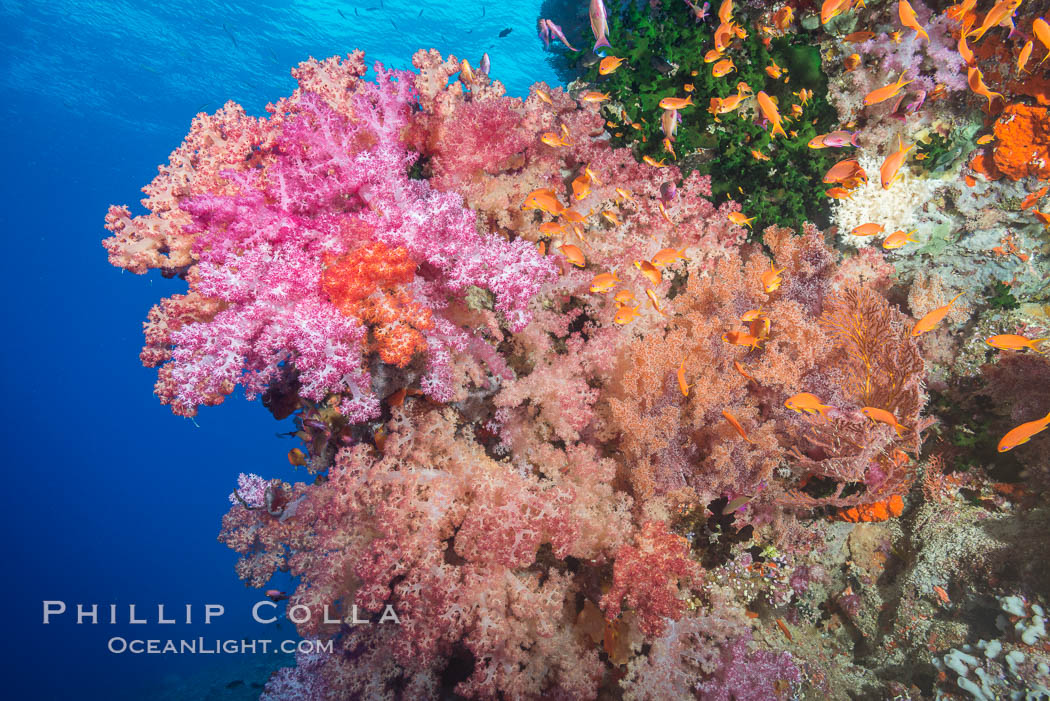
109 498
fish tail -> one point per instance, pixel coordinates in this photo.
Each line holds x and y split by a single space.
602 41
922 31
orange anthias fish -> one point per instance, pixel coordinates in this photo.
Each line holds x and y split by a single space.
739 219
858 37
592 175
1023 56
999 12
650 271
886 92
736 424
581 187
723 67
1042 32
899 239
1023 433
676 103
712 56
551 228
725 11
1009 341
843 170
740 368
723 35
739 338
624 195
623 296
625 315
809 403
930 321
976 82
592 96
839 193
543 95
604 282
758 155
890 169
783 17
544 200
774 71
670 149
609 64
1033 197
573 254
667 256
769 111
871 229
771 279
883 416
681 380
851 62
572 216
649 160
553 139
611 218
831 9
909 20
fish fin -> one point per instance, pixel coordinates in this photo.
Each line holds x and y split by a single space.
603 41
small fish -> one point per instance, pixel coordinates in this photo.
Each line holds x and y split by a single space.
544 200
649 271
466 73
886 92
838 193
740 219
624 195
594 96
890 169
557 33
843 170
572 216
486 62
1042 32
774 71
723 35
723 67
870 229
784 629
599 24
713 55
930 321
739 338
831 9
899 239
669 121
882 416
545 96
906 13
806 402
1033 197
783 17
611 218
740 368
551 228
652 300
625 315
1023 433
296 457
851 62
573 254
758 155
975 80
771 279
670 149
986 139
623 296
275 595
654 163
838 139
999 12
689 87
581 187
604 282
667 256
736 424
1023 56
858 37
681 380
769 111
553 139
1011 341
668 191
609 65
676 103
667 217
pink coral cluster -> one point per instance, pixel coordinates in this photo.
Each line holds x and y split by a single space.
501 458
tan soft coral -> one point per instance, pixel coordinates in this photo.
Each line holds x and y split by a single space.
1022 147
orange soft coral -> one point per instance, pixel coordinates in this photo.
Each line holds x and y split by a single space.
368 283
1022 135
